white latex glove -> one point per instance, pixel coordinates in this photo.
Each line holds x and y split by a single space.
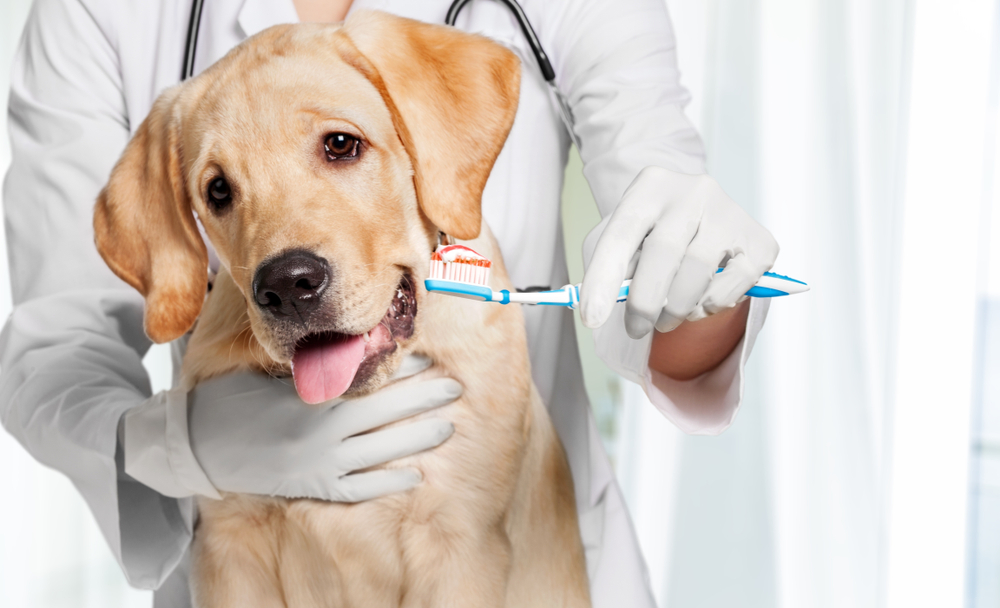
253 435
670 233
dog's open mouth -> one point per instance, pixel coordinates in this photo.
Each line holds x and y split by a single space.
328 364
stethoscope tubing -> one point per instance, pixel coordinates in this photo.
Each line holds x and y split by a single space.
187 70
529 33
456 7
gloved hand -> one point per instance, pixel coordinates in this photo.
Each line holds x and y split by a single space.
670 233
252 434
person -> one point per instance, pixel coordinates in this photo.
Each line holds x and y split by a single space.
72 387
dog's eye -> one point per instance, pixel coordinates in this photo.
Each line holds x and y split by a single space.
219 194
340 146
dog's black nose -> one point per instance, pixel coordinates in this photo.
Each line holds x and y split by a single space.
291 284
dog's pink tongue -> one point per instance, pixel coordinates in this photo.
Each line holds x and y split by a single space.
324 370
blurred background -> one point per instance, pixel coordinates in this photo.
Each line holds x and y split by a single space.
863 469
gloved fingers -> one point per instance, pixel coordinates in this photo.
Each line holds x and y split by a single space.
729 286
603 279
590 242
625 232
411 366
699 265
380 447
375 484
662 253
753 254
667 322
393 403
697 314
633 265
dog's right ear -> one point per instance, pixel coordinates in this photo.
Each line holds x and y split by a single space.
145 229
452 96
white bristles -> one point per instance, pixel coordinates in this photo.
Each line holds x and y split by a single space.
463 273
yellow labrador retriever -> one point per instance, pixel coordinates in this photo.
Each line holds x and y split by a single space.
323 161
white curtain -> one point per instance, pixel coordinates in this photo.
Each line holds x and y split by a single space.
862 134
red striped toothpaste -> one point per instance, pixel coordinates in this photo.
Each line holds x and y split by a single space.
461 264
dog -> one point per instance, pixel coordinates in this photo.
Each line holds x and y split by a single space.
337 154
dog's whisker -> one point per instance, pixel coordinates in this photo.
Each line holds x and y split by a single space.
238 337
253 352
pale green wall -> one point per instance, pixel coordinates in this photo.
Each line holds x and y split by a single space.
580 214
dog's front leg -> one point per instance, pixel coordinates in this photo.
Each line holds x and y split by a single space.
235 555
230 577
458 572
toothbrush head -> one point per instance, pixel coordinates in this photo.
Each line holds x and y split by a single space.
460 264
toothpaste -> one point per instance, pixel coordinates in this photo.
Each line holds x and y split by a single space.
460 254
459 263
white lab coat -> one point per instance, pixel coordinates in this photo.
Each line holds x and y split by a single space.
87 73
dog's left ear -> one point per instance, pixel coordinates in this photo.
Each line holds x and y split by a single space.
453 97
145 230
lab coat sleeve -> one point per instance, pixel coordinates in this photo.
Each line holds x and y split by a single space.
70 353
616 63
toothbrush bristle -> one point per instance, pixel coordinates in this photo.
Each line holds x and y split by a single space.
460 272
461 264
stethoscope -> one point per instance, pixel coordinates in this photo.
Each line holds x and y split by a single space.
559 101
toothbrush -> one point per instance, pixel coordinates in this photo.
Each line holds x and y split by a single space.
459 271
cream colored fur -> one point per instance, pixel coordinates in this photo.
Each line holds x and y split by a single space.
493 523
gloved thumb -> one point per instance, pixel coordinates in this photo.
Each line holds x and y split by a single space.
590 242
594 310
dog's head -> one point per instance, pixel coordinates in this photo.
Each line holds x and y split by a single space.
322 161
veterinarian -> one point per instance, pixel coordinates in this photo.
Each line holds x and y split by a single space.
73 390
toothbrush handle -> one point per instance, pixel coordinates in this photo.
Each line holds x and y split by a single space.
771 285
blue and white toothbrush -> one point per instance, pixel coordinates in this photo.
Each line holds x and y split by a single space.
459 271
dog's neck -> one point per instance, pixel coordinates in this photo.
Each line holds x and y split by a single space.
475 341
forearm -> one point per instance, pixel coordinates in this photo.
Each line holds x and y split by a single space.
696 347
70 364
616 63
71 351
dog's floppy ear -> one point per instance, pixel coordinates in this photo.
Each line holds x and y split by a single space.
452 96
145 229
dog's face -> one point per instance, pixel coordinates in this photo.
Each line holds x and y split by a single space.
321 161
312 209
306 192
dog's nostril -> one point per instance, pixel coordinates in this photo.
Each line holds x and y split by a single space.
291 284
272 299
